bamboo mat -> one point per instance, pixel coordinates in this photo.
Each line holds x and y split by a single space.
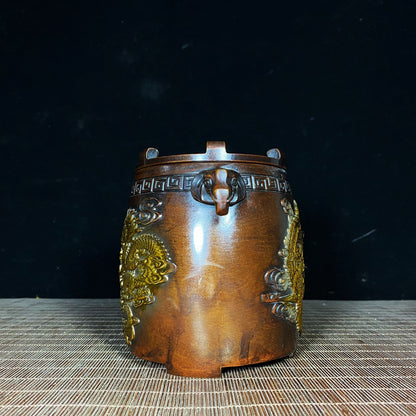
68 357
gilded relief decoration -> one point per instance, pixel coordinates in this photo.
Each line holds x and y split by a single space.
287 282
144 262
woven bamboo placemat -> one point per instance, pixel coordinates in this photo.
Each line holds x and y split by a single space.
67 357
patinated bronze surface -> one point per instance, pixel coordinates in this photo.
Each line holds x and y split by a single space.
211 262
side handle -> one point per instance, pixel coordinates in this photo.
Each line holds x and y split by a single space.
220 187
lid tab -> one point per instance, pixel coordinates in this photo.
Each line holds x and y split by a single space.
216 150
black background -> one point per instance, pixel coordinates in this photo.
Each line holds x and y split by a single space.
88 85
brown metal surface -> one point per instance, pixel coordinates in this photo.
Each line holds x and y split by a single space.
211 267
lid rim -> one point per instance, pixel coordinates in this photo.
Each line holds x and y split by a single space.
215 152
237 158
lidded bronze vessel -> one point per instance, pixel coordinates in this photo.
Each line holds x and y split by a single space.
211 261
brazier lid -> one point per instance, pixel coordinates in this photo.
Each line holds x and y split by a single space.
215 152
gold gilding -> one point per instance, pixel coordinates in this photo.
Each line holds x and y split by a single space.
287 282
144 263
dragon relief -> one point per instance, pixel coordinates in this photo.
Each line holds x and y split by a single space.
144 263
287 282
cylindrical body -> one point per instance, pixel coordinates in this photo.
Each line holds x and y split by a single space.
211 268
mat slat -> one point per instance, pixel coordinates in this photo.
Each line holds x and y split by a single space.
68 356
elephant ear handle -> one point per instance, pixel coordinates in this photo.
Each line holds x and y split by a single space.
220 187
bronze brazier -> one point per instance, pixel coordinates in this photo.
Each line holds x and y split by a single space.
211 262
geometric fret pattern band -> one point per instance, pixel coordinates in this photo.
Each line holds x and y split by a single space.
177 183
